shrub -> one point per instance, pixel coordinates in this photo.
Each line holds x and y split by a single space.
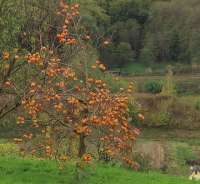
170 111
159 119
133 110
197 105
9 149
153 86
188 88
168 84
156 110
144 161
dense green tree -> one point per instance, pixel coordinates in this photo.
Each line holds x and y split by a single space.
128 18
11 20
171 29
123 54
119 55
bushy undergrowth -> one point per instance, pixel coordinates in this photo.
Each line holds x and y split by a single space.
197 105
188 87
174 86
9 149
170 111
153 86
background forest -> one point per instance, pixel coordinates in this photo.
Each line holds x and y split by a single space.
138 31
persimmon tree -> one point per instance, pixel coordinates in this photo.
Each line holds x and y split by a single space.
64 101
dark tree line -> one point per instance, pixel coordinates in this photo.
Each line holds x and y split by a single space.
152 31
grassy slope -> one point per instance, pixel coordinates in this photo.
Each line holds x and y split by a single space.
16 171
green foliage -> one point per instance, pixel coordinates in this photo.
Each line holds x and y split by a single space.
158 119
170 41
9 149
115 86
147 55
185 153
126 29
84 171
140 30
170 111
123 54
155 35
161 119
11 20
183 85
168 83
118 56
188 87
197 105
177 154
133 111
95 19
153 86
8 126
144 162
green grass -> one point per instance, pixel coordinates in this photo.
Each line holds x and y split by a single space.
160 68
135 68
18 171
146 68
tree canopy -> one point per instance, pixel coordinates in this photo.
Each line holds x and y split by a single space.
153 31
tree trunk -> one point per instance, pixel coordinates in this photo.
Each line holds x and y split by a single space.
82 146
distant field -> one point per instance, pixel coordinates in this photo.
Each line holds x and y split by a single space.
140 68
160 68
181 77
17 171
